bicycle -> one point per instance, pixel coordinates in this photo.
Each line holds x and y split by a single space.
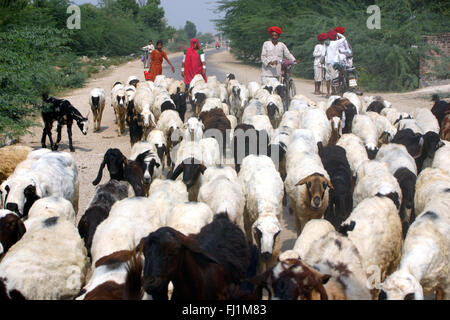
291 91
146 58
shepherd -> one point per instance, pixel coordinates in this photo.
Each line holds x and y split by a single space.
272 54
193 63
156 60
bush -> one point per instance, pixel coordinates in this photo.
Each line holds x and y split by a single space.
386 59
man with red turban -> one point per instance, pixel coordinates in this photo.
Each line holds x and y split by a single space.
319 61
193 63
345 50
273 52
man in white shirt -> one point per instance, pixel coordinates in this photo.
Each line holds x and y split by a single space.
319 61
345 50
150 48
332 57
272 53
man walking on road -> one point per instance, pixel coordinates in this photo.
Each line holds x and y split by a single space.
148 48
193 63
272 54
319 62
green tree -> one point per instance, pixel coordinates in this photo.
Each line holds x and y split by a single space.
190 29
129 6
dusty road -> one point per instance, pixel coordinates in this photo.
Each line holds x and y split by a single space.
91 148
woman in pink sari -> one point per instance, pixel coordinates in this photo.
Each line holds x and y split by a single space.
193 63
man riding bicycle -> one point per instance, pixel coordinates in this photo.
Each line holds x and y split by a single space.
272 55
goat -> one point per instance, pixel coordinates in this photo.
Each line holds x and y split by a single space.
64 113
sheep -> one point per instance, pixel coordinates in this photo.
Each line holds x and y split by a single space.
165 195
306 180
11 156
169 122
363 127
263 190
279 141
193 129
426 120
377 235
192 159
158 139
261 123
162 102
253 86
273 104
374 177
430 182
354 98
423 268
308 101
51 258
233 121
222 191
316 120
378 104
385 130
404 169
332 253
238 96
132 80
99 207
393 115
119 103
143 101
128 222
441 158
53 174
190 217
409 124
97 100
340 203
51 207
355 151
212 103
246 140
254 108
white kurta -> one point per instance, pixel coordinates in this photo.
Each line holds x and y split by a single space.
271 52
319 52
332 56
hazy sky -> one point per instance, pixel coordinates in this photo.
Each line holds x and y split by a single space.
178 11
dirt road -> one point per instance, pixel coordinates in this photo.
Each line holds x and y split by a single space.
91 148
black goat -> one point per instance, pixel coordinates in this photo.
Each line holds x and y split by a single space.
419 146
105 196
122 169
439 108
64 113
180 102
334 160
407 181
376 106
135 123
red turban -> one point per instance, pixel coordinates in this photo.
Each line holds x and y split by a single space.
322 36
332 35
340 30
274 29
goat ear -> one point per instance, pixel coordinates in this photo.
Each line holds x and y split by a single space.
330 185
194 248
155 163
100 173
142 156
303 181
325 278
177 172
202 168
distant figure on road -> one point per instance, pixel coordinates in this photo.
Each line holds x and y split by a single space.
272 54
148 48
156 60
319 61
193 63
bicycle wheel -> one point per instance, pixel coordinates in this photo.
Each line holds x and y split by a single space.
292 89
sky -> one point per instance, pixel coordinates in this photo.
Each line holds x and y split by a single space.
178 12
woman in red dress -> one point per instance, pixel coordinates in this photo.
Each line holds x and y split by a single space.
156 60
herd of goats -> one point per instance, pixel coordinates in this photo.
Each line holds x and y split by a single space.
194 212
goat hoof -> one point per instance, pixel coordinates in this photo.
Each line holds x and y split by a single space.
72 149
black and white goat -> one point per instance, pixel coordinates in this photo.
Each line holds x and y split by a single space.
64 113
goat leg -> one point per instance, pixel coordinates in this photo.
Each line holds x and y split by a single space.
58 129
69 133
44 136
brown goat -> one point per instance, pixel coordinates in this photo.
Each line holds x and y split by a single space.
216 119
344 110
445 126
